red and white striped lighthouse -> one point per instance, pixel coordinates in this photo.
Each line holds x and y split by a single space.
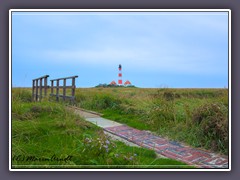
120 74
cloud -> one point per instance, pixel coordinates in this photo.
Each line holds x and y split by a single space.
104 55
178 61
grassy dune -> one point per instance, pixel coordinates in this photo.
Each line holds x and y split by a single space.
46 135
197 117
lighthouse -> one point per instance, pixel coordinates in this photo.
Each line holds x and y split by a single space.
120 74
120 81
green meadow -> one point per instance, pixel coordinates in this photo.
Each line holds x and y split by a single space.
46 135
196 117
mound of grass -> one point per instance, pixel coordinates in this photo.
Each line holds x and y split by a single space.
213 121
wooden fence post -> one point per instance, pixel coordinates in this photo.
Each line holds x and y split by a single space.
52 84
40 89
64 89
45 86
57 95
33 89
37 90
73 88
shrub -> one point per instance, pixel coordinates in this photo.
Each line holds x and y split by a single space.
213 121
166 94
169 96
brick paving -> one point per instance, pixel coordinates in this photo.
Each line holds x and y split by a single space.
170 149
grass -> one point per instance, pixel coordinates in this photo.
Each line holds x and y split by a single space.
46 135
197 117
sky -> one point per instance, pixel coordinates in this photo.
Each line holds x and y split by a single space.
155 49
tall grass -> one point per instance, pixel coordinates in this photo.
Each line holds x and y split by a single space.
198 117
46 135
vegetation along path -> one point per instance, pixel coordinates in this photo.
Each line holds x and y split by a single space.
162 146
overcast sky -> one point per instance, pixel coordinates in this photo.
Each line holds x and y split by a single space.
157 49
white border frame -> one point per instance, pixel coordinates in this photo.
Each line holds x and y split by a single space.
117 10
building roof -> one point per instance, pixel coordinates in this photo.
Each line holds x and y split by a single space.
113 83
127 83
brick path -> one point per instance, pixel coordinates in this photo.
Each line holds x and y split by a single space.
170 149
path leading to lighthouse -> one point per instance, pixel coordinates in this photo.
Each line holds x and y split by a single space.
162 146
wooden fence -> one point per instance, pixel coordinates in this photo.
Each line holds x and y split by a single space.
64 95
38 86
